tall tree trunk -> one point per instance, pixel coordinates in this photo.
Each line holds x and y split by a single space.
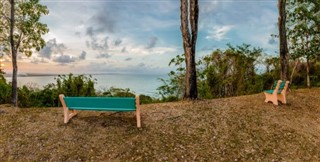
189 17
308 73
308 59
14 56
284 52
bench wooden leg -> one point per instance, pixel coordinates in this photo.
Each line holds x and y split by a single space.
282 98
68 114
271 97
138 111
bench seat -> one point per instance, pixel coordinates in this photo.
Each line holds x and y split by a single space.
101 109
122 104
271 91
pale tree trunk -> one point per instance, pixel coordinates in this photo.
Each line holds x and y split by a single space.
14 57
189 19
308 59
284 52
294 69
308 73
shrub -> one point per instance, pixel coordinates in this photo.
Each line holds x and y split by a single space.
5 91
71 85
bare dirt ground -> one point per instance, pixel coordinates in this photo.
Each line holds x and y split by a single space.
229 129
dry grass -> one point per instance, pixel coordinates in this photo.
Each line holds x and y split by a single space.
230 129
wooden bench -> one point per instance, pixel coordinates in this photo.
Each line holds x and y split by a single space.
277 93
71 104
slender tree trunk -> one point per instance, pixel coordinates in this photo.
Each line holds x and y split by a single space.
284 52
308 73
14 57
308 59
294 69
189 19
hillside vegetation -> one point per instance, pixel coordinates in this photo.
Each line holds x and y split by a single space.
228 129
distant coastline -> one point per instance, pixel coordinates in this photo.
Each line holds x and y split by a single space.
31 74
52 74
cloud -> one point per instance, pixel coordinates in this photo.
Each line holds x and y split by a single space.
141 65
152 42
78 34
272 41
101 22
210 6
104 55
210 47
117 42
94 44
90 32
64 59
52 47
37 61
128 59
123 50
218 33
83 55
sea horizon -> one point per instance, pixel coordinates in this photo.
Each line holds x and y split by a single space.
31 74
146 84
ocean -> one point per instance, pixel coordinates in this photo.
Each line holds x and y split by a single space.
146 84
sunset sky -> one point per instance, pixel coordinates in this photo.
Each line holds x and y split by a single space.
141 36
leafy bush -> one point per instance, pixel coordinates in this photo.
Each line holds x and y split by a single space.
144 99
120 92
28 97
71 85
5 91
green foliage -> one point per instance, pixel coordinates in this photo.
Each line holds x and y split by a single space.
304 31
303 28
234 72
173 87
230 73
144 99
118 92
299 76
21 32
71 85
5 90
28 28
48 96
33 97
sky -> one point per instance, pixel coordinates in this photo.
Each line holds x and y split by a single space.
142 36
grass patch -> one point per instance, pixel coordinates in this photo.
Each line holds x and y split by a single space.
228 129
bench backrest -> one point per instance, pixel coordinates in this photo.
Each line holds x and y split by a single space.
101 103
282 84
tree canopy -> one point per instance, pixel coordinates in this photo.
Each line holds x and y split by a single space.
21 32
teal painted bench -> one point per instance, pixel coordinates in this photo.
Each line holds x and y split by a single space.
71 104
277 93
